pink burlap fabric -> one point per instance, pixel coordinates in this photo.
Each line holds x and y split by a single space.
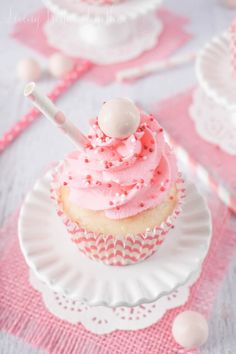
22 312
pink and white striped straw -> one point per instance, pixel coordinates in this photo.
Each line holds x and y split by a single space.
63 85
50 111
155 67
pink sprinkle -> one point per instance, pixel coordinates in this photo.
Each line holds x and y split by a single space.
141 205
60 118
111 203
65 183
162 189
86 160
109 185
160 130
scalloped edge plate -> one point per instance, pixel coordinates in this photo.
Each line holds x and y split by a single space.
56 261
215 73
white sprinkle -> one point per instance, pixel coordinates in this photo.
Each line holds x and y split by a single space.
144 157
133 139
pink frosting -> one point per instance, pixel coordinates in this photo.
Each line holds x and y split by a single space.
121 177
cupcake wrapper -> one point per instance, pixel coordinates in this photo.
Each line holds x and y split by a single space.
116 251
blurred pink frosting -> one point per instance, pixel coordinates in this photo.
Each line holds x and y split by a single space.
121 177
102 2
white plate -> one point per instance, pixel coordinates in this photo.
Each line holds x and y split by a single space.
215 72
56 261
111 45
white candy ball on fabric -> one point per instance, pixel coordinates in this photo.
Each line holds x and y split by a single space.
59 65
119 118
28 70
190 329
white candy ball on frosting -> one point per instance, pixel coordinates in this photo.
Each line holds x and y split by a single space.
59 65
190 329
28 70
119 118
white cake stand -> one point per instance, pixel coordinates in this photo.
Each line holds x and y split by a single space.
103 319
57 262
214 102
103 34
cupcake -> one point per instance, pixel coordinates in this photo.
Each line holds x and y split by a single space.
119 197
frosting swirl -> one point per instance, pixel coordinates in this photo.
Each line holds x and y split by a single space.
121 177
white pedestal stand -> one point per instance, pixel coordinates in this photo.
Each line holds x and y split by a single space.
105 298
214 102
103 34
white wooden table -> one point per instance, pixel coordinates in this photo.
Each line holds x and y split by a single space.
29 156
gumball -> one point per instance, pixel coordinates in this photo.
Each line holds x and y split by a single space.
190 329
119 118
59 65
28 70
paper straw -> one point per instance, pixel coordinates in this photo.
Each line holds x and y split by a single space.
27 119
50 111
141 71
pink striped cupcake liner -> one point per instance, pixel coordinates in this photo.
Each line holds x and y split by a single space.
113 250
